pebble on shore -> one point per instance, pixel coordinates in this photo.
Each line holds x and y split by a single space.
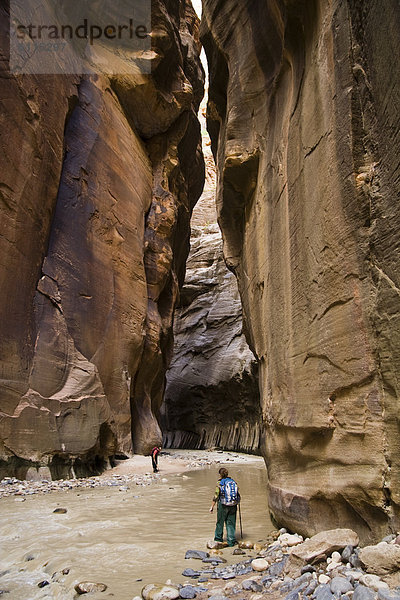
11 486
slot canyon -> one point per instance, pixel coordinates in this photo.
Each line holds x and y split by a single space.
259 312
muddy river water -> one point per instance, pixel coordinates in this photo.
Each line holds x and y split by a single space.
123 538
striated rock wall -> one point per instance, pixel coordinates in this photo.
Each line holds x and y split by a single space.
98 177
211 396
304 118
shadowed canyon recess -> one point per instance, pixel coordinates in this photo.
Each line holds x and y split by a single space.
99 176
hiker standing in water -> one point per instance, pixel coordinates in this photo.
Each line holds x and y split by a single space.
228 497
154 458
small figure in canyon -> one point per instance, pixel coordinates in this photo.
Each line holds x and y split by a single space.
154 458
227 496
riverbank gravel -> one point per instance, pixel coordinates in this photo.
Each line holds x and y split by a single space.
271 573
190 460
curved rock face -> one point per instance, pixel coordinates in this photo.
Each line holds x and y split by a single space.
211 396
304 117
98 179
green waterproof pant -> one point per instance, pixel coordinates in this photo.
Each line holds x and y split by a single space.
227 515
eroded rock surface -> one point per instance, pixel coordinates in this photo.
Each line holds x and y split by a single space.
98 179
304 118
211 396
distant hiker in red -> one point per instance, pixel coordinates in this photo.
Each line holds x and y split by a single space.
154 458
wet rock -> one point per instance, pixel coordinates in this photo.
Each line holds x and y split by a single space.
60 511
188 592
340 585
246 545
361 592
260 564
214 545
89 587
191 573
160 591
229 576
43 583
197 554
215 560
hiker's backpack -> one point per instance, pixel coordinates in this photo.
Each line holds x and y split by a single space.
229 492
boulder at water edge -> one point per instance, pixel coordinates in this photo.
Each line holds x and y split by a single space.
160 591
320 546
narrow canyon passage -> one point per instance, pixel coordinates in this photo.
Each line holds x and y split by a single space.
211 396
101 169
119 537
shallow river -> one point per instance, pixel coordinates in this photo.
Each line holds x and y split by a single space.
124 539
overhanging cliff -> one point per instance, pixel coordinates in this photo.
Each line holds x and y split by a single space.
304 118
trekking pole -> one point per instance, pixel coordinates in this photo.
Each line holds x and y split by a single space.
240 521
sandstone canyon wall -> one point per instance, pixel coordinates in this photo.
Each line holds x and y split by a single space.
304 117
98 178
211 396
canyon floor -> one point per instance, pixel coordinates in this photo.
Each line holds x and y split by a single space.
126 534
